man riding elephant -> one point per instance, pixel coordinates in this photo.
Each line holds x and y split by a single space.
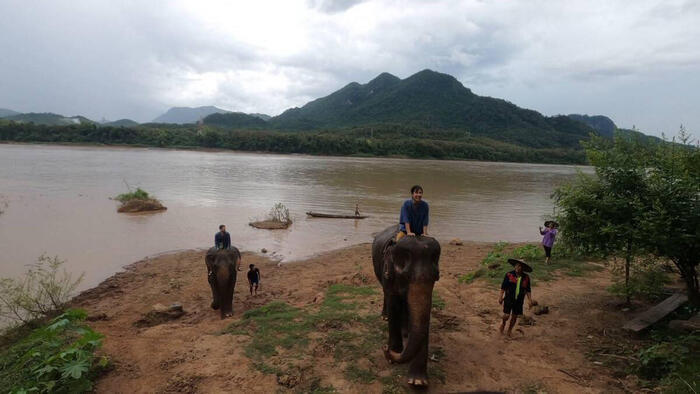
221 275
407 270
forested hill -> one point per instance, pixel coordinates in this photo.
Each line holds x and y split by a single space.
430 100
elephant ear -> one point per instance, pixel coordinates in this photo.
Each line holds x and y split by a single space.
401 258
210 259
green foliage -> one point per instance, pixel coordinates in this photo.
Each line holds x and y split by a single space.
44 289
356 374
56 358
672 362
438 302
647 280
645 198
138 194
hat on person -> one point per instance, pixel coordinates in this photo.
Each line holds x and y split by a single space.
548 222
526 267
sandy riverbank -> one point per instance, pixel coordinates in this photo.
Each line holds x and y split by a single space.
191 354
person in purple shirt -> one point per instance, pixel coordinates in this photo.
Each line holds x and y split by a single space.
550 232
414 217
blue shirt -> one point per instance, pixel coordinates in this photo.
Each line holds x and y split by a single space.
416 215
222 241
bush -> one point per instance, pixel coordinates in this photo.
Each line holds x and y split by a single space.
138 194
647 279
44 289
56 358
279 213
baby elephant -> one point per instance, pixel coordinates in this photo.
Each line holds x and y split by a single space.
221 275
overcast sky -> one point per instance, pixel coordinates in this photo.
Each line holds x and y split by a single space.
637 62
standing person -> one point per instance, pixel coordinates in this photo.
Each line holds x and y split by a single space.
550 232
357 209
515 286
222 240
253 278
414 217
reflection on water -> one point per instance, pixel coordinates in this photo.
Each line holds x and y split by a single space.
58 201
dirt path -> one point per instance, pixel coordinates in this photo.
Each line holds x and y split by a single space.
190 354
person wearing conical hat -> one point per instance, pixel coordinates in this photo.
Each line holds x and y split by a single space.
514 289
549 232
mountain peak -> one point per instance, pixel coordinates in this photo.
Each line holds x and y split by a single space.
188 114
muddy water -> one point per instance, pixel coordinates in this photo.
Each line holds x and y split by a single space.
57 202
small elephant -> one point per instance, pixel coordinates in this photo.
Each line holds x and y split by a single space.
221 275
407 271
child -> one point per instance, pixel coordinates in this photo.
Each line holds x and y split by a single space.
550 232
515 286
253 278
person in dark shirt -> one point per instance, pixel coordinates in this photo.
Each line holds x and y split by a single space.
515 286
222 240
253 278
414 217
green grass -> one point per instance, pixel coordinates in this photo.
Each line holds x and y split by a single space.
138 194
438 302
495 265
57 357
341 325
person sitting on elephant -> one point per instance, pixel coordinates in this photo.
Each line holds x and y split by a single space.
222 240
515 286
253 278
414 217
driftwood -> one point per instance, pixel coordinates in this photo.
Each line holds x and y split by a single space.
655 313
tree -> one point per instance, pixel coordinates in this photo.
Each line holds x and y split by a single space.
602 214
674 215
643 199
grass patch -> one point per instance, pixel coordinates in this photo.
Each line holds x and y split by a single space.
342 326
138 194
438 302
495 265
356 374
57 357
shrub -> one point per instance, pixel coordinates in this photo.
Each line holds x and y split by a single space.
43 289
138 194
647 279
56 358
279 213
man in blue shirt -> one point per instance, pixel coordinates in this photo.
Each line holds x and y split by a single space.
414 218
222 240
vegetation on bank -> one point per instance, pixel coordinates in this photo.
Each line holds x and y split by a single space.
277 219
48 349
384 140
58 357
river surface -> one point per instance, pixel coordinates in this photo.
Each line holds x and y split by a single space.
56 200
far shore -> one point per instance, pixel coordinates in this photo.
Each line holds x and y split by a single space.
195 352
220 150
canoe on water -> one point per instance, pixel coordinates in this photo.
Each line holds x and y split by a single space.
331 216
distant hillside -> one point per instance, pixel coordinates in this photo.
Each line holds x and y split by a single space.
237 120
121 123
49 119
432 100
261 116
604 125
182 115
7 112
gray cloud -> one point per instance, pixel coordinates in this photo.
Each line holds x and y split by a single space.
635 62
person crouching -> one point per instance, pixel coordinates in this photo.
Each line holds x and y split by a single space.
514 289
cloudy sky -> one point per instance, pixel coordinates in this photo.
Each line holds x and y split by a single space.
635 61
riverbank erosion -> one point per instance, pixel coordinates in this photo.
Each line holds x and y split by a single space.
316 325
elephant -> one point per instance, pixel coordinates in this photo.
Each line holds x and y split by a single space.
407 271
221 275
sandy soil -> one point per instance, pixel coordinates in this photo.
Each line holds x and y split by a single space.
190 354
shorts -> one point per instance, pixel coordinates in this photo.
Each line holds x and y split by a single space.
547 251
400 235
254 282
513 306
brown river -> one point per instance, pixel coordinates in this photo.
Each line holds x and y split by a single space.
56 200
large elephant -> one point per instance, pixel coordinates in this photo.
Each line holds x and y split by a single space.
221 275
407 271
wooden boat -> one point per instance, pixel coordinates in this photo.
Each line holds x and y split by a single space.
332 216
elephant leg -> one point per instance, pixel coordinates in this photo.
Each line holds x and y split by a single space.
385 312
396 311
418 369
211 278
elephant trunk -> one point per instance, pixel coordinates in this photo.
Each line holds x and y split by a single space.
419 301
225 289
